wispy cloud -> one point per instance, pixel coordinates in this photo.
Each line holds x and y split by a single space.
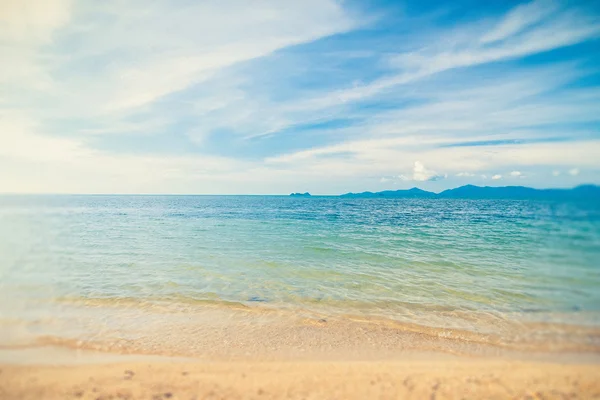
520 19
529 29
230 96
103 58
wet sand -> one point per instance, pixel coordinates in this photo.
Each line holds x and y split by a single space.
418 379
223 354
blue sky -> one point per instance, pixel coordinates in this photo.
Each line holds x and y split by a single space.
278 96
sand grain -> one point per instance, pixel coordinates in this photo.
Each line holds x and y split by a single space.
461 379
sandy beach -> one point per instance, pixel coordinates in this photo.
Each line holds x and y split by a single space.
309 199
215 352
336 359
247 354
411 379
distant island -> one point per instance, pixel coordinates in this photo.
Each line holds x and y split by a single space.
583 192
414 193
306 194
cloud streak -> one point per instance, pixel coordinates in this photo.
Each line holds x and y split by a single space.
233 97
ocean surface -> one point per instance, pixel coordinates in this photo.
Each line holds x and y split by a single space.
514 269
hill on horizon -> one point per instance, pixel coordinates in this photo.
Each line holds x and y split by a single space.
487 192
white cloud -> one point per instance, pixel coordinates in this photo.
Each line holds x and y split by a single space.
19 141
77 71
496 177
493 115
515 173
460 47
26 26
555 173
26 21
478 109
420 173
574 171
472 46
101 63
206 38
46 164
147 55
382 155
519 19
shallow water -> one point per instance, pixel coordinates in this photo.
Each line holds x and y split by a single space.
490 267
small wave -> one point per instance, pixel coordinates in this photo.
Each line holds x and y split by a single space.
167 303
321 249
347 333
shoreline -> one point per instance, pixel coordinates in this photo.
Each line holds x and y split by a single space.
225 334
110 353
236 355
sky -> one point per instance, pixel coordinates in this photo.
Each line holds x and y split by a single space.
276 96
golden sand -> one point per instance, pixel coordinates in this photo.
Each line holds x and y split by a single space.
256 356
403 379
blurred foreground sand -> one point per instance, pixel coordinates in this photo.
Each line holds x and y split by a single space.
419 379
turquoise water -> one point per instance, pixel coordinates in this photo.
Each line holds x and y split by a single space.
430 262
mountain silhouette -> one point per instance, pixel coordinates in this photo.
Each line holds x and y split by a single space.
583 192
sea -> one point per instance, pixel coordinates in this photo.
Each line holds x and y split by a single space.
514 272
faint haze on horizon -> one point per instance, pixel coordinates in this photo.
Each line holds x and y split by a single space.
319 96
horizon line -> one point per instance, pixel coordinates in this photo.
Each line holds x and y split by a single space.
273 194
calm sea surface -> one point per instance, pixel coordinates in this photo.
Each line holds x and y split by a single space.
429 262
